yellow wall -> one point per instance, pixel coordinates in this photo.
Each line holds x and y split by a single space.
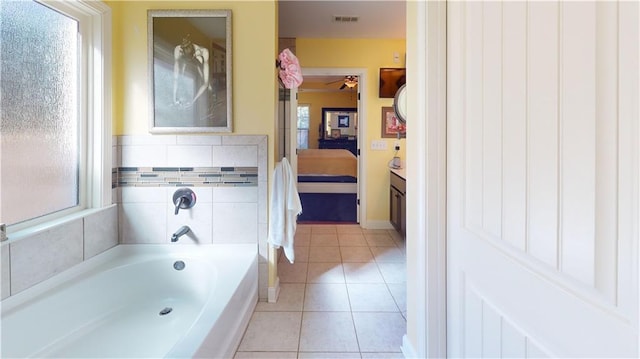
318 100
254 50
254 76
254 36
371 54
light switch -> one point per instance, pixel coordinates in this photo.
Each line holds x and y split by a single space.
378 145
396 58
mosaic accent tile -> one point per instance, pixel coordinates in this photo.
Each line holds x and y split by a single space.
185 177
114 178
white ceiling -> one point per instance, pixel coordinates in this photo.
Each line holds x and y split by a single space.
314 19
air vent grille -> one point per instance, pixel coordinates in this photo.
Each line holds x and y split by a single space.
345 19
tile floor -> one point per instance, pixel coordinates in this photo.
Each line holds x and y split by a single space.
344 297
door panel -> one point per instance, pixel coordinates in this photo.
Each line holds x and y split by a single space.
542 133
540 209
514 105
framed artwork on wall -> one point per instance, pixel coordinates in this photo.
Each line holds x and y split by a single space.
391 126
343 119
189 71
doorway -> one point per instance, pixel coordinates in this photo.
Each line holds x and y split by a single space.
327 144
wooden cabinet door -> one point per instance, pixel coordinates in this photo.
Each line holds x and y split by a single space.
394 207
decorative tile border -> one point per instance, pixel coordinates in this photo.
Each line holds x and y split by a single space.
114 177
185 177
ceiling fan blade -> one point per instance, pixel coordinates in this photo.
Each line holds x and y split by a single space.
333 82
343 86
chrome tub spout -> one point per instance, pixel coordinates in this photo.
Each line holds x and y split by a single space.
179 233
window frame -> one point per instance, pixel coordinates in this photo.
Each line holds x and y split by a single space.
94 113
308 128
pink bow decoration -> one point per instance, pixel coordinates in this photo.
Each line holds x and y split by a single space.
289 72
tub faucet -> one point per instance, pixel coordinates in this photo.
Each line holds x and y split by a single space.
184 198
179 233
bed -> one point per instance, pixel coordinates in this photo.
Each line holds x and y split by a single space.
328 185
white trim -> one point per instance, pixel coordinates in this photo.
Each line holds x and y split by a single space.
102 197
362 128
426 167
321 90
376 224
99 134
407 349
274 292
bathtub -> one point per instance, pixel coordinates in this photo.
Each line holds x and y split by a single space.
131 301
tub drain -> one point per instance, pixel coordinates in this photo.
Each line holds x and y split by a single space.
178 265
166 311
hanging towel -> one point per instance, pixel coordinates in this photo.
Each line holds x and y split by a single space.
284 209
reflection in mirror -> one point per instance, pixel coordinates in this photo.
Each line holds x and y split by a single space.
340 123
400 104
190 64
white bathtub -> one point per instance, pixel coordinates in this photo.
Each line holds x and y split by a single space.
109 306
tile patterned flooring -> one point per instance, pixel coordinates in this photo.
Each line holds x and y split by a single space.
344 297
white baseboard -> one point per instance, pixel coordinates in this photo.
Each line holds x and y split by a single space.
376 225
407 348
274 292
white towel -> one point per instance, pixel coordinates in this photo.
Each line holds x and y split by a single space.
284 209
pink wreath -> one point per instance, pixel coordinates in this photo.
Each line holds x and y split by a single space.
289 69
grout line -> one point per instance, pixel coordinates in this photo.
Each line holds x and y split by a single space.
304 293
353 321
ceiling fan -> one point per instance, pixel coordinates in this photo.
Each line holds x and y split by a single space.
349 81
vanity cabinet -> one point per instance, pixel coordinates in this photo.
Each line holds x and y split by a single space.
398 203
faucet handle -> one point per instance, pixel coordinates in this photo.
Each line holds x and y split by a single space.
184 198
179 203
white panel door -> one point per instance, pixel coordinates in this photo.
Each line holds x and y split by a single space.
543 196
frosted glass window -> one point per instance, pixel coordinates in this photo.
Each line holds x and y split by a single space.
39 111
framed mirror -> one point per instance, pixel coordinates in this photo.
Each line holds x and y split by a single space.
400 104
190 80
339 123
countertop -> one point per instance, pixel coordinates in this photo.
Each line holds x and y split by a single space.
400 172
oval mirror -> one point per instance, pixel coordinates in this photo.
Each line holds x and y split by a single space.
400 104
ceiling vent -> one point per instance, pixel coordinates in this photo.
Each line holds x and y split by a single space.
345 19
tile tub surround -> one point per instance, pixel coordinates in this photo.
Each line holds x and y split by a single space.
228 174
41 255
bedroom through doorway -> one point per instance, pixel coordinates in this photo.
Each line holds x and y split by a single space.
327 146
